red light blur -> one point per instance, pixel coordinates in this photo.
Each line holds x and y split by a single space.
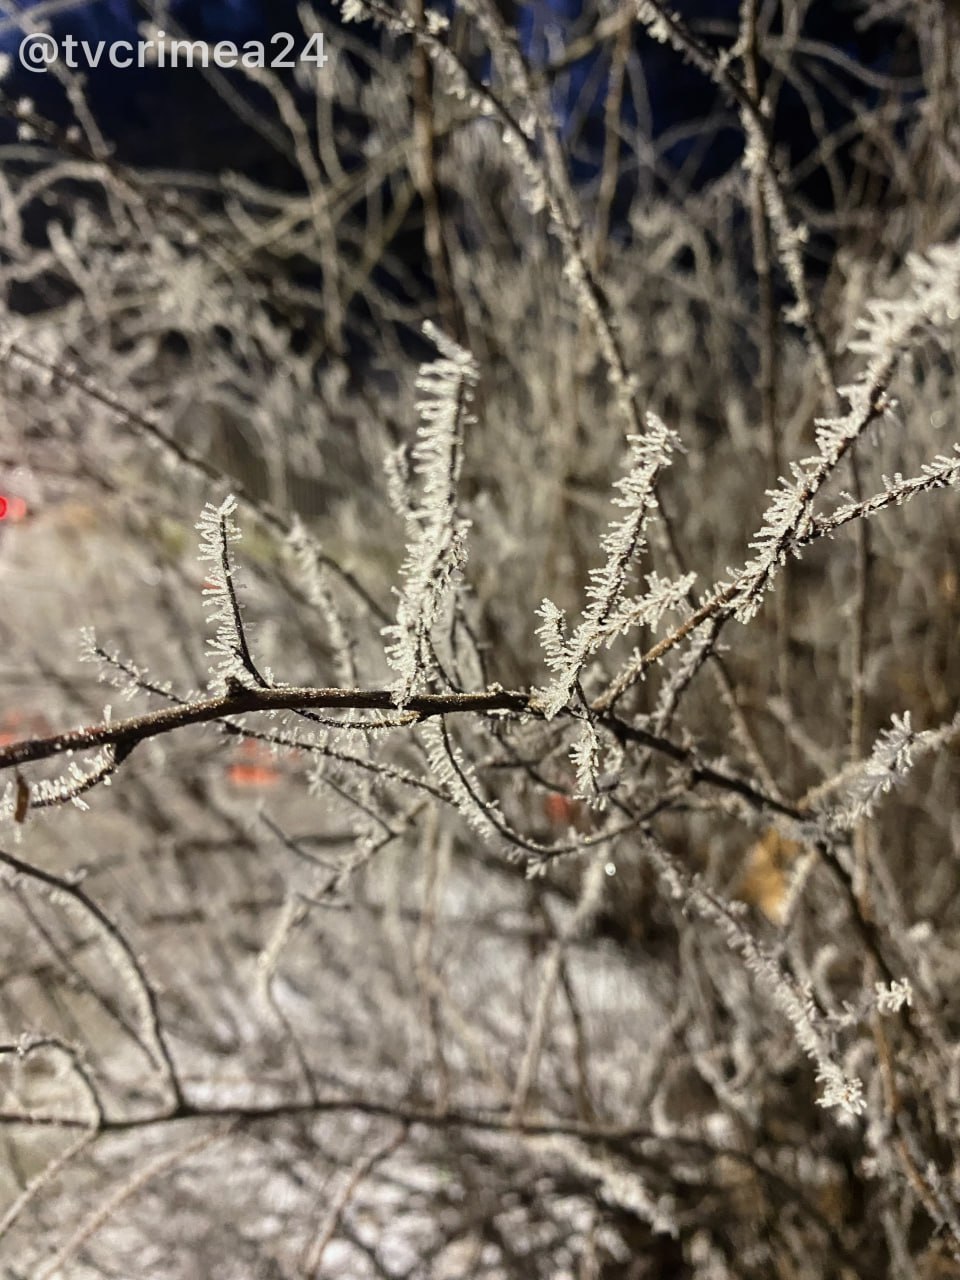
13 509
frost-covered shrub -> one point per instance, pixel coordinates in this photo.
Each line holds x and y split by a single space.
524 842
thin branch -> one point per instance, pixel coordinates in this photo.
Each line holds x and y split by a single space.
71 890
146 426
125 735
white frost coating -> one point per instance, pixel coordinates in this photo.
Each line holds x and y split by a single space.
436 533
894 754
609 613
218 529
